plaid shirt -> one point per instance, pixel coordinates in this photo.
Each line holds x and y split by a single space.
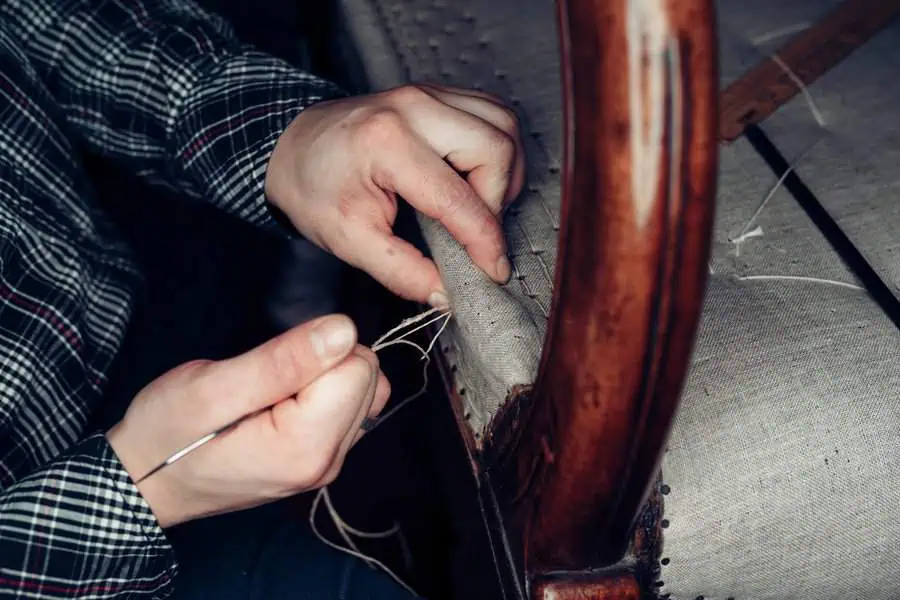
164 89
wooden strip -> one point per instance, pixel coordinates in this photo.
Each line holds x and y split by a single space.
809 55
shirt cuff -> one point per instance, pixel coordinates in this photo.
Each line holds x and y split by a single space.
81 522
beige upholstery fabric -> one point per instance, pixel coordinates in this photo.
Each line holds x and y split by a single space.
794 364
497 336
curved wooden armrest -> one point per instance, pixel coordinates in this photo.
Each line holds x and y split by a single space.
568 464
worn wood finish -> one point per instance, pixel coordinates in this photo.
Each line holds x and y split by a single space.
807 56
614 585
570 462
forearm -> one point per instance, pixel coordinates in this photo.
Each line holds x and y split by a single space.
167 90
79 528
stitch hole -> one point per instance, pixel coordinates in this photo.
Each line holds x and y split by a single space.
659 584
664 490
664 523
665 561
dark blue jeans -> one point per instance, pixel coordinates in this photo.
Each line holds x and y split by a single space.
266 554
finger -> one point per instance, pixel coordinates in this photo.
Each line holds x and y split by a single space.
279 368
317 422
492 110
351 436
396 264
429 184
382 394
464 92
473 145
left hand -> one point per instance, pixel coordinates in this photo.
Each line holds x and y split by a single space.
454 155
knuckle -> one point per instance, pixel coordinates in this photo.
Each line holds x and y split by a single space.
370 358
489 230
508 121
383 126
319 467
331 475
504 146
194 370
452 198
289 360
317 471
407 94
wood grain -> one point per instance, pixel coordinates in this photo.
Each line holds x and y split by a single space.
571 461
808 56
615 585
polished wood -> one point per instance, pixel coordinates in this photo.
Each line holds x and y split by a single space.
615 585
568 464
807 56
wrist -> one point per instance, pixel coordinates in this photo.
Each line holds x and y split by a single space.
158 490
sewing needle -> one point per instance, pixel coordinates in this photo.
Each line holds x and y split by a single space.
195 445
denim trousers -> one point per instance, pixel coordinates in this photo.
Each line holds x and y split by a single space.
268 554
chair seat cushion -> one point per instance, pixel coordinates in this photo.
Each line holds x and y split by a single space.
782 468
794 364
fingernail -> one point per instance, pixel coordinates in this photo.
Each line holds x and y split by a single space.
333 336
504 269
439 299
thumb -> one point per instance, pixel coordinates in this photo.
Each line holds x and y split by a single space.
283 366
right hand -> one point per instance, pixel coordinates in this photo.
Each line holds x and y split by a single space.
314 385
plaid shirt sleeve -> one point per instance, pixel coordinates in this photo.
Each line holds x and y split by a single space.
91 534
166 89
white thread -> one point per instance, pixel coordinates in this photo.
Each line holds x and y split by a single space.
800 278
404 323
817 115
383 342
425 357
753 233
344 529
778 33
367 559
774 188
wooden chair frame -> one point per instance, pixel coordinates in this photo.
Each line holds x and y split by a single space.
566 465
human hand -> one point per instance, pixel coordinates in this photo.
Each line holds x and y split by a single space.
314 385
454 155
